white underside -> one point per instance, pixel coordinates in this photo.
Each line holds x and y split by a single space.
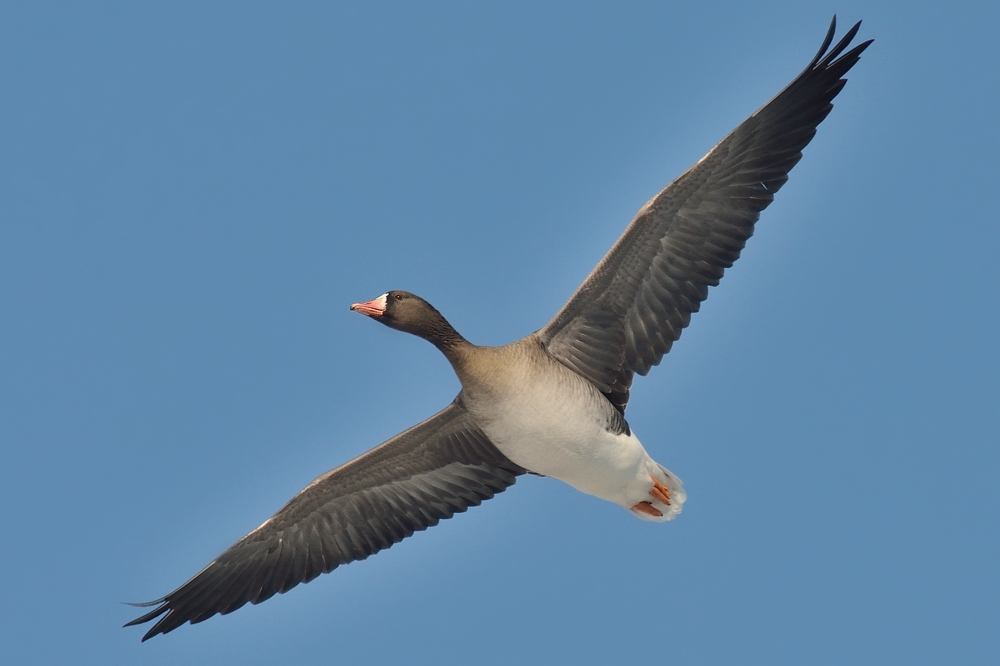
556 431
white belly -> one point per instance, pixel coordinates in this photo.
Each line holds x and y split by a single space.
559 433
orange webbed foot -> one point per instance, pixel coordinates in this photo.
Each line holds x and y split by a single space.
647 507
660 492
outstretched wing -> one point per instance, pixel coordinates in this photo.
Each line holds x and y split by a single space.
431 471
635 303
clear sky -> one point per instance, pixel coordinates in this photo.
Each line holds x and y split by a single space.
191 196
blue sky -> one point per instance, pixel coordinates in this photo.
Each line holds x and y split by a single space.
192 194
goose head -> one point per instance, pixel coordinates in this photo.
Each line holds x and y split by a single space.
409 313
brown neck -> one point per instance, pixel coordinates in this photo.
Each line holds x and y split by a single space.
443 335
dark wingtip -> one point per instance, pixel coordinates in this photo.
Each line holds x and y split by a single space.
156 612
825 59
863 45
835 58
144 604
841 45
826 42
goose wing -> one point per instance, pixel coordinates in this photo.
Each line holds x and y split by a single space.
431 471
635 303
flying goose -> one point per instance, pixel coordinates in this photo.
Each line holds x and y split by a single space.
552 403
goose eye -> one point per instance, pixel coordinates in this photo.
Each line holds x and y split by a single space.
399 297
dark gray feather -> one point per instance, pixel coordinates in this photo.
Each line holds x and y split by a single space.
635 303
429 472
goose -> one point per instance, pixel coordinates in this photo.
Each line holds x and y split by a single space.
552 403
